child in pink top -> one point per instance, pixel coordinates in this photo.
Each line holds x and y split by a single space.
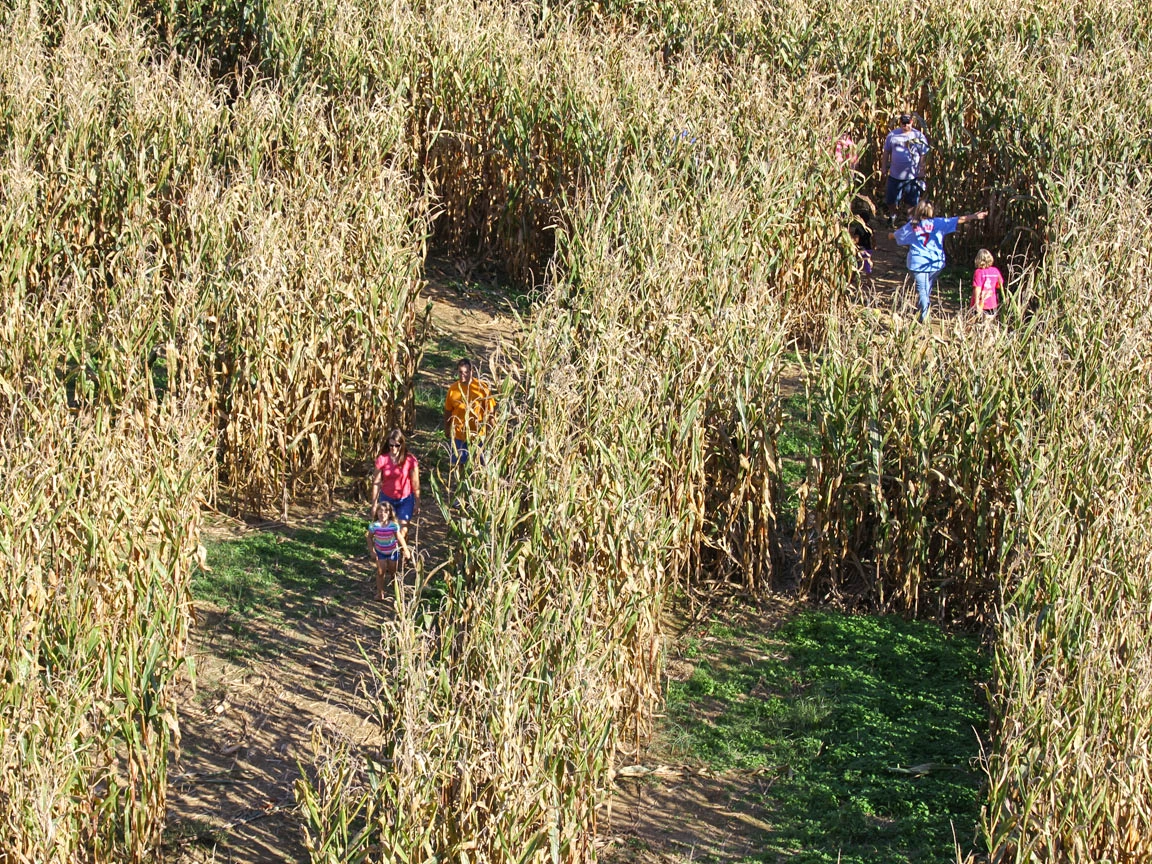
844 151
986 284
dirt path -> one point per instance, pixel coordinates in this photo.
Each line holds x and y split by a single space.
249 718
265 683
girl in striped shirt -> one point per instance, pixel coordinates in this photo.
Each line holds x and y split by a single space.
387 542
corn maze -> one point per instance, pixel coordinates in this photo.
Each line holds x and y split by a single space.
214 224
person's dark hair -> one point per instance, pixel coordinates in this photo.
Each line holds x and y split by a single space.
397 437
384 512
905 119
465 363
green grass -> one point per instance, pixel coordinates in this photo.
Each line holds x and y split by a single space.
866 725
956 282
799 439
442 352
279 574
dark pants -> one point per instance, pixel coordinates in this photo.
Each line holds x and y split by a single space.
908 191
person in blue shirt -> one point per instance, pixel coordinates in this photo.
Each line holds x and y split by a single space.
924 236
902 162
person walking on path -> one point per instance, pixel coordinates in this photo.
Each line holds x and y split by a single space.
468 410
987 283
902 163
396 481
924 236
386 540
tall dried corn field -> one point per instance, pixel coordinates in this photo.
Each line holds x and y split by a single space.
201 298
213 230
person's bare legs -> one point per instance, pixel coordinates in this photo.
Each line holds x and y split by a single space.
380 577
392 570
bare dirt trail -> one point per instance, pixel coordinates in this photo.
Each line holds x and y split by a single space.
249 719
265 683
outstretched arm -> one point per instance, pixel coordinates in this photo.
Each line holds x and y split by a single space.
971 216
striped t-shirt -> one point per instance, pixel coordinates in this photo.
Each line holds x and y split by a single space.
384 537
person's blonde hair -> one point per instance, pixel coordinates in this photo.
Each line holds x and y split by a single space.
984 259
923 211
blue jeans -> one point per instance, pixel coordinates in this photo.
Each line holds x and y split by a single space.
459 452
925 282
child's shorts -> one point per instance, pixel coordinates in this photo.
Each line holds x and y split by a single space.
388 556
459 452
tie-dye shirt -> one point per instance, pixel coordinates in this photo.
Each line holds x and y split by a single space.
385 537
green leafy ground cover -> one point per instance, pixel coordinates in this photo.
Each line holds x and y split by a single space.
868 727
799 437
278 575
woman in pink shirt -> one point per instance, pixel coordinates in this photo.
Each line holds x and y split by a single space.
986 284
397 480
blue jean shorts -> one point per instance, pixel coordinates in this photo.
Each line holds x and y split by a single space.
403 506
388 556
458 452
908 191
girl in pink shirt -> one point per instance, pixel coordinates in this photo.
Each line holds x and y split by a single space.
844 151
986 284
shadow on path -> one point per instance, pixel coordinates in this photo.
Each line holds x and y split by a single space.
281 616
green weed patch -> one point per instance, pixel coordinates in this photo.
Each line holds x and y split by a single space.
278 575
799 440
866 728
